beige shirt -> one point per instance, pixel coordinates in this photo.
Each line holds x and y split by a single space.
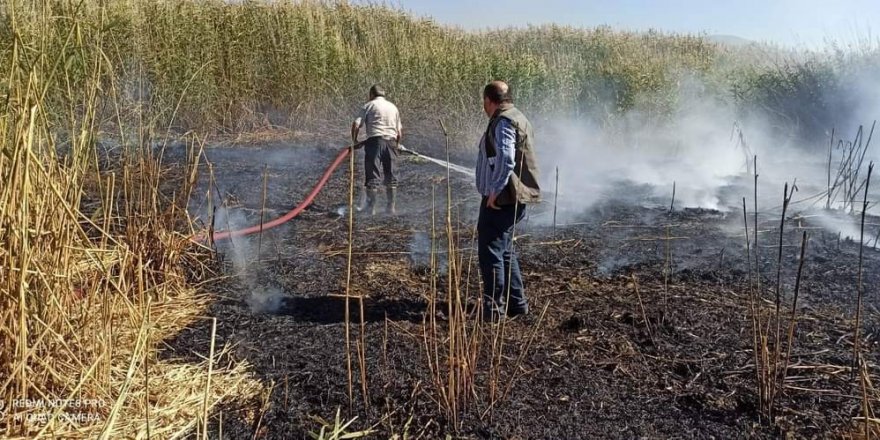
381 118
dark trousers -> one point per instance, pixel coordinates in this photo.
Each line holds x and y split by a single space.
502 281
380 153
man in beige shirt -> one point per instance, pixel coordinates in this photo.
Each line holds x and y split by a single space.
382 121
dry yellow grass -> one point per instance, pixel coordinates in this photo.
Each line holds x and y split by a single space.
89 294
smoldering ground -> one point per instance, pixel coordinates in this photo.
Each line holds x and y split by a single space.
588 348
271 169
704 156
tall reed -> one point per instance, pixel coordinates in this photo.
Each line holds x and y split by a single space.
94 256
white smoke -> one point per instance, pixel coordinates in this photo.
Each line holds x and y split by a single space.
266 300
243 253
705 151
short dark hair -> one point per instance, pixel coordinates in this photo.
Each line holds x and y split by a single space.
498 92
377 90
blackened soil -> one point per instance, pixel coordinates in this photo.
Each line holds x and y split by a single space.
645 330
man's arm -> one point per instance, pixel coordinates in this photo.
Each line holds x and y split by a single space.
355 128
505 159
358 122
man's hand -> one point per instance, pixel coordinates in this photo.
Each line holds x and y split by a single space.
355 128
490 202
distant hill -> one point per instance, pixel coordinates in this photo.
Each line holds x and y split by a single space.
730 40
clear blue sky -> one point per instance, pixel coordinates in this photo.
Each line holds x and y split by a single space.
788 22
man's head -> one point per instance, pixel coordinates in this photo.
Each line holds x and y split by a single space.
376 91
494 94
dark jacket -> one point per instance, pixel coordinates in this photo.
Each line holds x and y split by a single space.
523 183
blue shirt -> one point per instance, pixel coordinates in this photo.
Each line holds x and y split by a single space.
494 172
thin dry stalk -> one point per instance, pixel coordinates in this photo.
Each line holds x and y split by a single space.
758 282
262 211
456 324
867 410
642 307
208 380
348 279
212 210
830 151
385 343
667 269
147 371
777 349
362 350
793 319
517 371
757 335
859 286
555 200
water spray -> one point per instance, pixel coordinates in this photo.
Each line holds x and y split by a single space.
442 163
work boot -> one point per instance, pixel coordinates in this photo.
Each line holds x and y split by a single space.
371 201
362 201
391 192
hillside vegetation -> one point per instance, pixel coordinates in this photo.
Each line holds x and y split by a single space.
232 67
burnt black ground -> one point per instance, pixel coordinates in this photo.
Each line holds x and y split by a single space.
594 368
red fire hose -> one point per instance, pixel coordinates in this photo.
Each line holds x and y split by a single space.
220 235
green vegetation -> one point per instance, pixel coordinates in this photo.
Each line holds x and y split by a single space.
235 67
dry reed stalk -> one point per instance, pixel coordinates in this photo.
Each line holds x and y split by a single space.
124 390
362 330
859 287
757 336
758 281
867 410
830 150
777 349
642 308
522 354
385 343
434 334
208 379
87 292
667 269
262 210
362 352
793 319
348 279
457 337
146 362
555 200
474 343
212 210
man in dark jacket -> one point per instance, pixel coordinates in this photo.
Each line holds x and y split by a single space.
507 178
